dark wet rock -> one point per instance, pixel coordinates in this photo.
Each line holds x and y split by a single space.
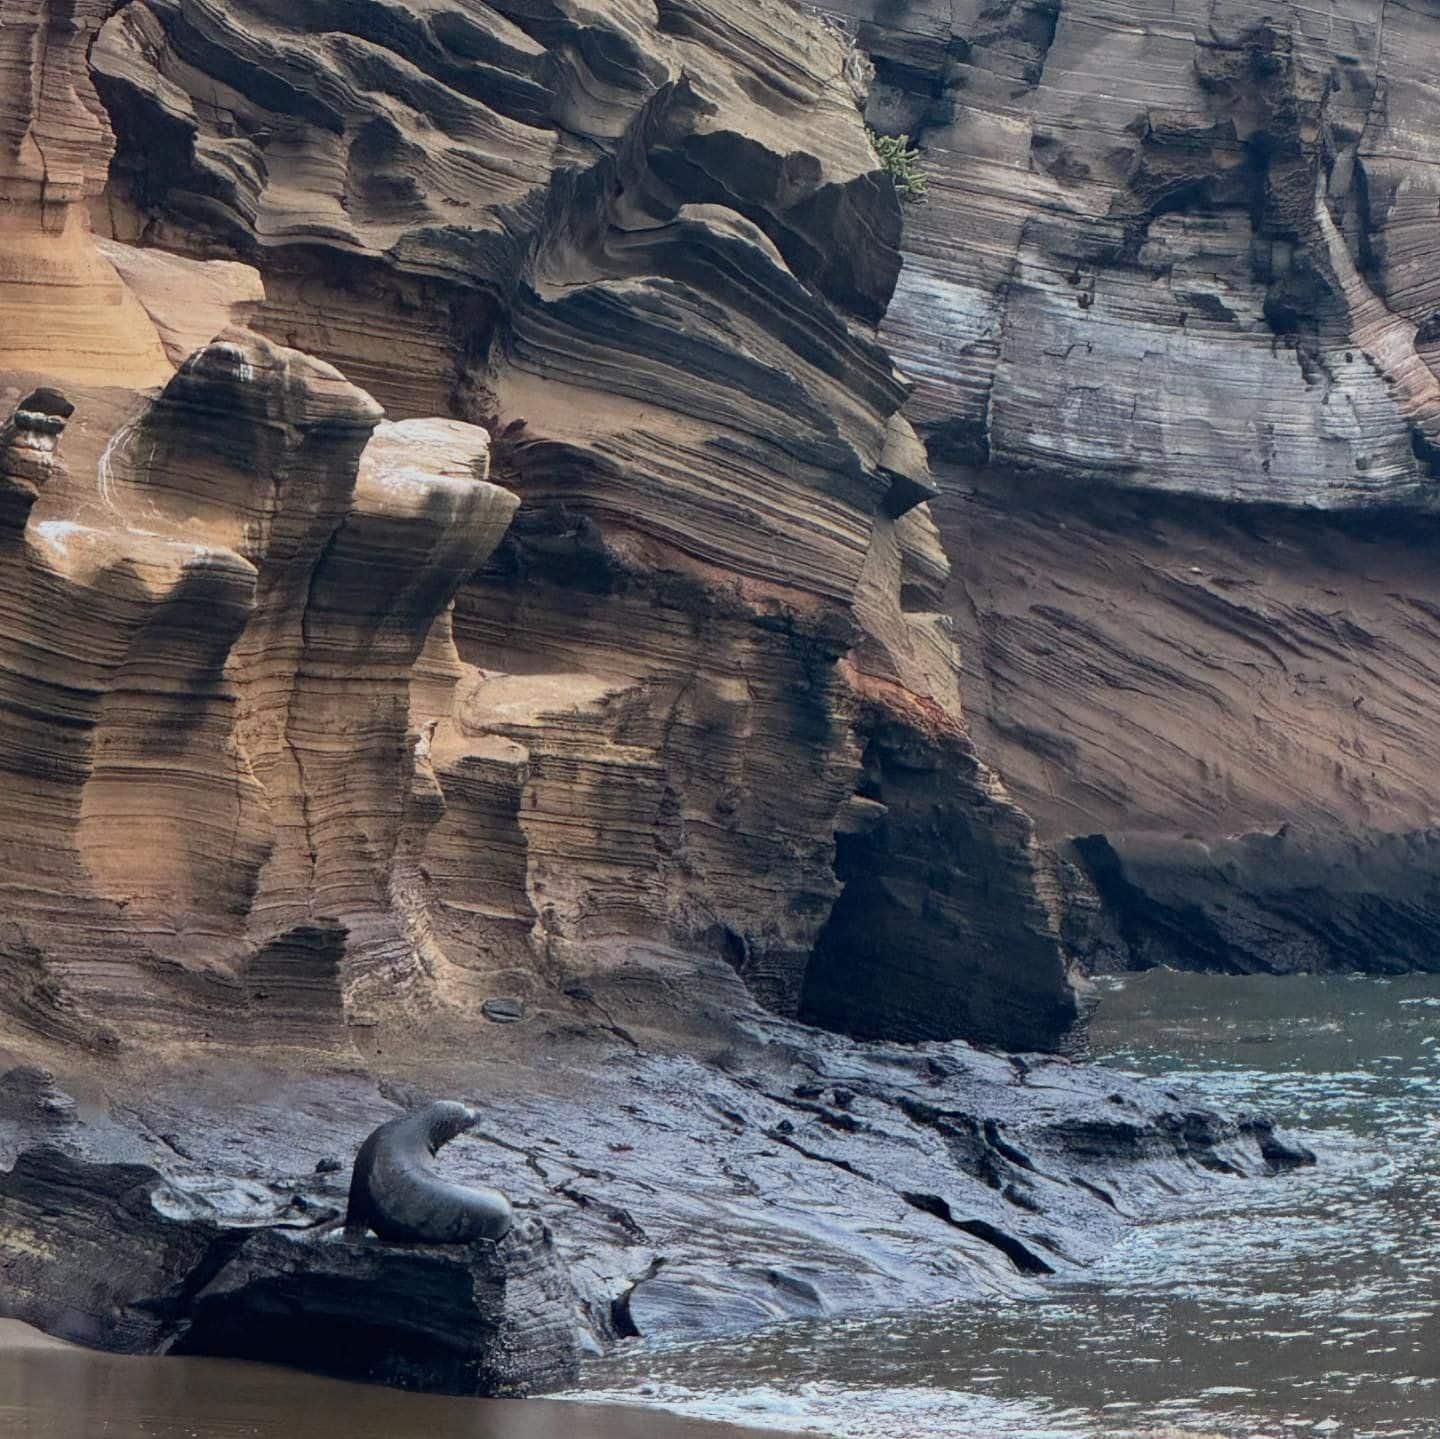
483 1318
705 1181
91 1253
1025 1260
45 410
118 1256
942 929
1278 902
680 1302
29 1094
1279 1151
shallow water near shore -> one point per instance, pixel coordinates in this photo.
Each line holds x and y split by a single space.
50 1390
1307 1305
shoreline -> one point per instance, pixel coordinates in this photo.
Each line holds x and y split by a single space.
274 1402
671 1186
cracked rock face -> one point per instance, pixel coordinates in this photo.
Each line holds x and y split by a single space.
708 1170
112 1254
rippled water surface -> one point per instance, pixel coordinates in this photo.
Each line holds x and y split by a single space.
1307 1305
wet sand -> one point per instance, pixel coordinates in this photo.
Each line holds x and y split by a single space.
52 1390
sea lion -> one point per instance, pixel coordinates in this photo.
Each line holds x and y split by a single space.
396 1192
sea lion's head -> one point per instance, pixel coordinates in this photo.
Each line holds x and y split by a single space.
445 1119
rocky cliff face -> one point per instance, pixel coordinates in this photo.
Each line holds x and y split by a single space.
475 623
1171 312
1179 251
646 252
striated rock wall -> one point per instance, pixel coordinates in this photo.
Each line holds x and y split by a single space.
706 692
1172 248
210 746
1170 314
646 251
1229 713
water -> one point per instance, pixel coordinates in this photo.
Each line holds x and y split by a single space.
50 1390
1302 1306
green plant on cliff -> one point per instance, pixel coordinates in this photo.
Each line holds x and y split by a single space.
901 163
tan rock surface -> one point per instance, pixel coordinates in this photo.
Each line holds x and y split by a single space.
246 589
63 309
188 301
647 250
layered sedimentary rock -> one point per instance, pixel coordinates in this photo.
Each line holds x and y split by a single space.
495 643
1177 251
647 251
214 642
709 1169
1170 312
1230 715
63 309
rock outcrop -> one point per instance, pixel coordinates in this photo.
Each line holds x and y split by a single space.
647 253
707 1169
115 1255
1228 714
213 768
1182 256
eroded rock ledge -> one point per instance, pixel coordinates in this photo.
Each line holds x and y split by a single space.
710 1169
